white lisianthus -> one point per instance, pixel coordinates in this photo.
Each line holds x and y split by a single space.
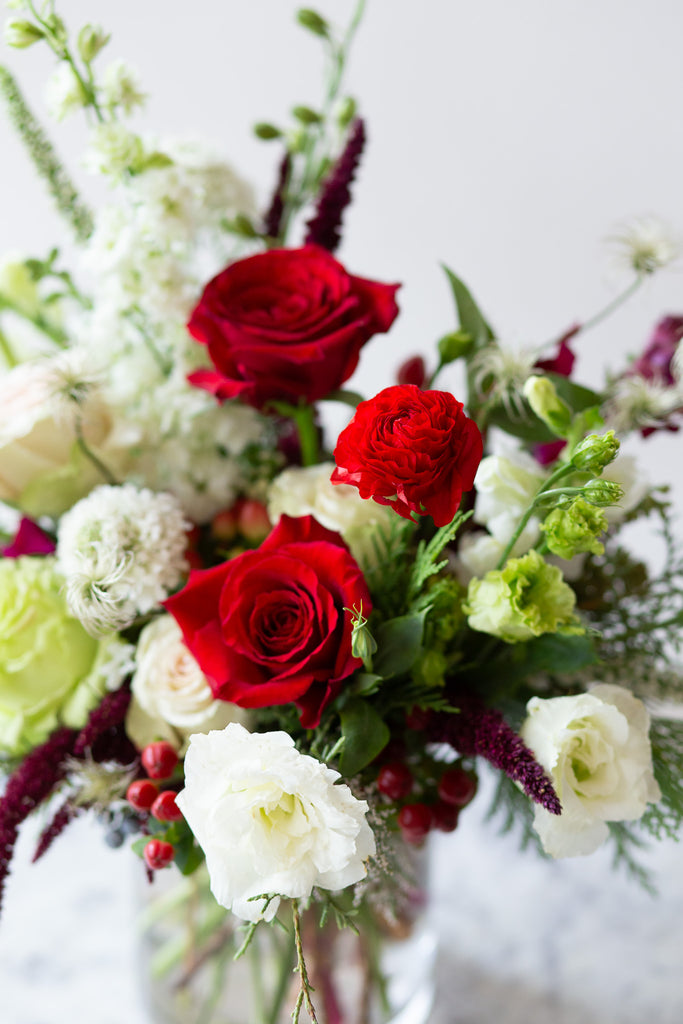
596 748
506 486
339 507
626 472
478 553
121 551
42 468
270 820
171 695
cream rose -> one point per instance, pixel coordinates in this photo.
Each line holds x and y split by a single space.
270 820
171 695
42 469
309 491
596 748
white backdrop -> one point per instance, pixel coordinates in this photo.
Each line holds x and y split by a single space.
507 138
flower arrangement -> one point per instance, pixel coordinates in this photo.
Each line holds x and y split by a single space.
280 658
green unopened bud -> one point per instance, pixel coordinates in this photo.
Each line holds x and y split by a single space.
21 34
363 643
242 225
266 131
306 115
91 41
346 111
453 346
570 531
296 140
313 21
603 493
57 28
542 396
430 669
595 452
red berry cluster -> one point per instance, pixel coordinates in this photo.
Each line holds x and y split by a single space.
443 790
159 761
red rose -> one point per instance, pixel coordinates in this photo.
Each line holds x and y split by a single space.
287 324
269 626
414 450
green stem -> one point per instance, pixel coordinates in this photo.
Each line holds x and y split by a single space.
45 160
546 486
437 371
305 990
55 334
7 351
304 418
90 455
606 311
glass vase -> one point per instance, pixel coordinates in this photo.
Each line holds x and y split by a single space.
379 971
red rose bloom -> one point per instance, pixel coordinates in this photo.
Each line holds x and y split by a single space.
269 626
414 450
287 324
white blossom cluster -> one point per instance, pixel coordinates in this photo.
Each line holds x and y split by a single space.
121 551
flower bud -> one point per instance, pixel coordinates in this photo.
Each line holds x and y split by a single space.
570 531
306 115
542 396
313 21
266 131
603 493
595 452
21 34
412 371
346 111
91 41
453 346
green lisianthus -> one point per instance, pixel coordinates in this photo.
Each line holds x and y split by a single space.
51 670
569 531
523 600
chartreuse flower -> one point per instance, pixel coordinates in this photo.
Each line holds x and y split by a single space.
51 670
575 528
526 598
542 396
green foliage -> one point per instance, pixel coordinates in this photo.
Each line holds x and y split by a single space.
627 843
426 562
365 734
512 811
388 575
399 642
470 317
664 818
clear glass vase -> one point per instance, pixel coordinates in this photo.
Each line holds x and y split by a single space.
382 973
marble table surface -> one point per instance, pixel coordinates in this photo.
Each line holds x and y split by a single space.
523 941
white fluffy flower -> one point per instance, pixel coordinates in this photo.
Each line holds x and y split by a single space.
171 695
309 491
270 820
121 551
646 245
63 93
637 403
506 486
500 372
596 748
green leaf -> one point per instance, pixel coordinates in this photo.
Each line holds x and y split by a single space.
526 426
576 396
399 642
188 856
365 735
559 654
365 683
470 316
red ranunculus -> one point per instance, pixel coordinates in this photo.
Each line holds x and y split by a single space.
414 450
287 324
269 626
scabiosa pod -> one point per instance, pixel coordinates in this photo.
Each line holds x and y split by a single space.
122 551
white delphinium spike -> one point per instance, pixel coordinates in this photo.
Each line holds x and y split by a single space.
121 551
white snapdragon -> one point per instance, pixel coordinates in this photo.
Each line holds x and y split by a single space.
307 491
121 87
596 748
121 551
270 820
172 698
113 149
64 93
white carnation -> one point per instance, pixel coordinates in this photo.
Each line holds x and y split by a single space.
270 820
171 695
121 551
339 507
596 748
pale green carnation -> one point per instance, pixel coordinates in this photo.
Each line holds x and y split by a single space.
569 531
525 599
51 671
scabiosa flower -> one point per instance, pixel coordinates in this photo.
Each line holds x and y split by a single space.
121 551
646 245
499 374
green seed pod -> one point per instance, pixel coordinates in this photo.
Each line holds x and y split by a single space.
312 21
266 131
